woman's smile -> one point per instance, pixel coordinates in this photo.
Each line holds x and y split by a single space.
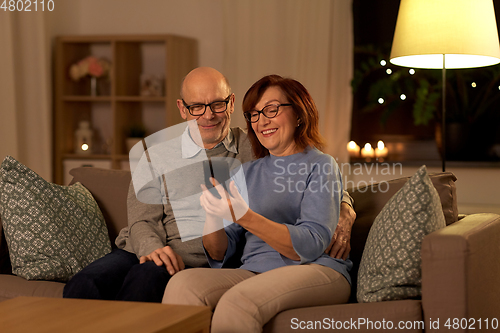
268 132
276 133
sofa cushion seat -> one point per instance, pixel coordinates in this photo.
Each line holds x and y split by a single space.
15 286
405 311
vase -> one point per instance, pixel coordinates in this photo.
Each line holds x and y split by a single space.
100 86
93 86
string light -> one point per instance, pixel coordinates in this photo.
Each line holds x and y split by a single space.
389 71
383 62
411 71
474 85
403 97
381 100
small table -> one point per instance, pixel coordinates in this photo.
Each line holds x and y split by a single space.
40 314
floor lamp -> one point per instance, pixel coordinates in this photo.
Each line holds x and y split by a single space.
445 34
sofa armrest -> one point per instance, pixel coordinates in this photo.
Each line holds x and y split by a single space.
460 270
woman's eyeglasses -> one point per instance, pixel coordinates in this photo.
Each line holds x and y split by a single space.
270 111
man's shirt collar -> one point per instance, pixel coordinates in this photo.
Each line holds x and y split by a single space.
191 149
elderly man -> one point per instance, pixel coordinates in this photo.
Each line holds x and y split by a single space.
150 250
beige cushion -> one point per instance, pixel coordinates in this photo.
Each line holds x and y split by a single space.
390 266
109 188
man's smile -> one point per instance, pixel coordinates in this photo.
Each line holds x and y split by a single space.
208 126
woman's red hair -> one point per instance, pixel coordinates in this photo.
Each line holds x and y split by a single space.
307 134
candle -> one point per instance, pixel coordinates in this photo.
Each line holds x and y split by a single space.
353 149
367 152
83 138
381 151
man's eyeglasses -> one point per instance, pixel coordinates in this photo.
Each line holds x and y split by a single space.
270 111
199 109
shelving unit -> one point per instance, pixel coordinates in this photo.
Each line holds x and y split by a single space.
120 103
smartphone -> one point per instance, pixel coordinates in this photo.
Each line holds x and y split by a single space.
217 169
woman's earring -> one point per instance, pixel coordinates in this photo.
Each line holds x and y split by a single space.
298 122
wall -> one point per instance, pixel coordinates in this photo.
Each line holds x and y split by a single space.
203 20
216 25
199 19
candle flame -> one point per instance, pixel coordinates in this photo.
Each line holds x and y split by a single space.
380 145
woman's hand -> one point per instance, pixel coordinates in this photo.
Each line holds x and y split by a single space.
229 207
234 208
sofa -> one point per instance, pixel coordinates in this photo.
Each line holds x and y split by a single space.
460 264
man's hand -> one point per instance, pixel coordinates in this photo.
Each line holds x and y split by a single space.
340 246
165 256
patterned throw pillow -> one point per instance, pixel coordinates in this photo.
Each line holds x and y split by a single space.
52 231
390 265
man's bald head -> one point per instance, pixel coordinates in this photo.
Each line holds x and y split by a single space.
200 77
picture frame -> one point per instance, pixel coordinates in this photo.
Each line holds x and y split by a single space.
152 85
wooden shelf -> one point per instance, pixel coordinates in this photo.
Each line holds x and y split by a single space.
140 99
85 98
111 115
122 157
88 157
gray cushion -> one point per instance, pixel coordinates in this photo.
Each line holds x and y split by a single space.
52 231
390 265
369 201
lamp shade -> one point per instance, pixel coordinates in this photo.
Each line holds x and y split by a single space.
464 31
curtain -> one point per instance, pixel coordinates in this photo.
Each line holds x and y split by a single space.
311 41
25 91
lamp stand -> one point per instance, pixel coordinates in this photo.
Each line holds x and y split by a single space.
443 115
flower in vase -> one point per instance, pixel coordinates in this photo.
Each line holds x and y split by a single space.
91 66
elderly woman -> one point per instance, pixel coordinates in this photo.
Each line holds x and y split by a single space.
285 222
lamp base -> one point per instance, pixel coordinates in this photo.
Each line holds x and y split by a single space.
457 138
